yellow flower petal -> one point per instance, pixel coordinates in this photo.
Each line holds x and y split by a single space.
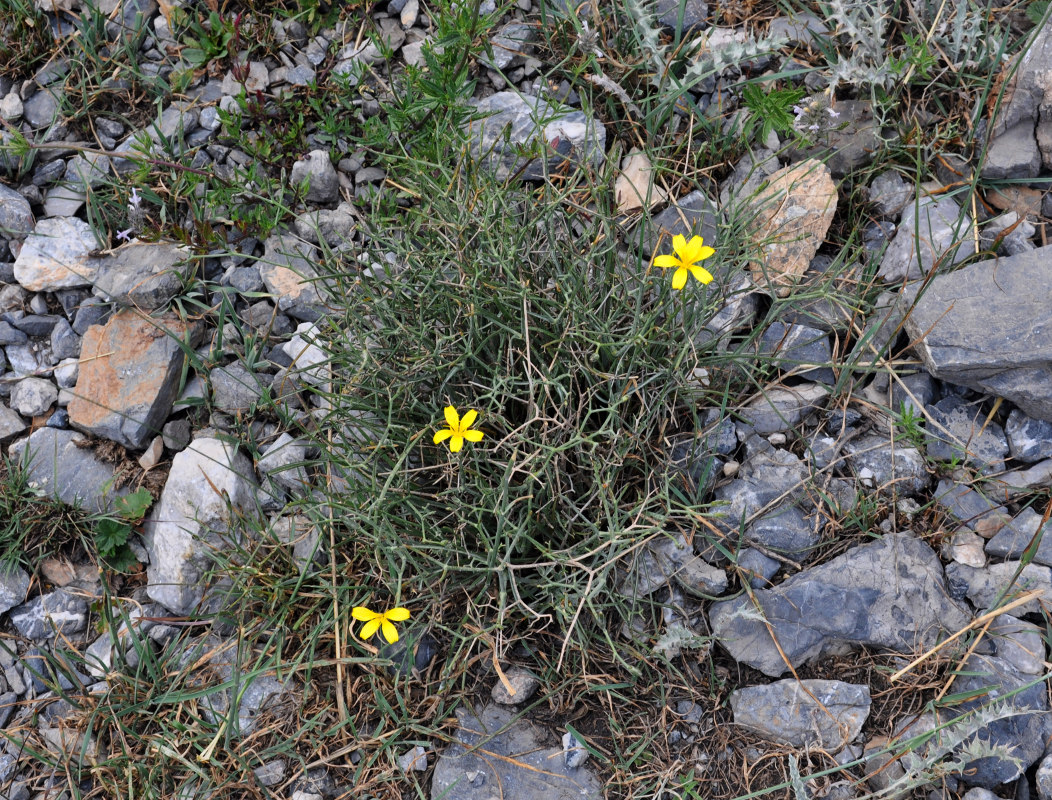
362 614
442 435
468 419
690 254
452 417
390 632
371 627
705 252
473 436
679 280
456 443
701 274
666 261
398 614
679 244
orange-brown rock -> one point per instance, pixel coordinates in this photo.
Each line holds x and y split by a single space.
129 376
793 214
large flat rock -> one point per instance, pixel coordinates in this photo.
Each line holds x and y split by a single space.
890 594
989 326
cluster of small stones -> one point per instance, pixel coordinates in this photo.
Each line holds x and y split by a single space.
87 352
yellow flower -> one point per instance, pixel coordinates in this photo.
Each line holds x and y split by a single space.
688 254
458 431
374 621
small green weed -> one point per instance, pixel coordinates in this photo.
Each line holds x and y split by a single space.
770 111
111 532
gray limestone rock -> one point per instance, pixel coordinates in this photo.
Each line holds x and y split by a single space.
765 479
64 341
332 226
56 255
10 424
1013 539
785 530
889 594
800 349
995 680
317 171
985 327
493 755
889 193
971 508
511 45
283 462
515 126
1013 154
208 481
1028 96
16 217
287 269
892 467
235 389
66 472
523 685
808 713
669 558
1029 439
984 585
56 613
748 176
143 275
14 584
40 110
683 17
31 397
942 231
780 410
961 430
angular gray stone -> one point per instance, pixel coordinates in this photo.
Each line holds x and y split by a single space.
235 390
960 430
984 585
57 613
143 275
523 686
795 347
1028 95
66 472
765 479
16 217
1012 155
284 462
889 594
208 481
942 231
784 530
511 45
849 142
56 255
808 713
894 468
31 397
317 169
985 327
889 193
493 755
514 123
10 425
1029 439
332 226
14 584
287 269
995 680
783 409
683 17
1012 540
40 110
748 176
